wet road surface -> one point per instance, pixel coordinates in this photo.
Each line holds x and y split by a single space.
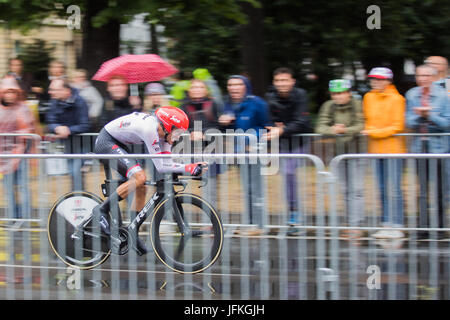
273 266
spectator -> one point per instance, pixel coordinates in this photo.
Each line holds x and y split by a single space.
245 111
119 102
15 117
24 79
428 111
154 97
288 107
214 90
384 111
56 70
200 107
441 77
68 115
178 89
202 112
342 117
90 95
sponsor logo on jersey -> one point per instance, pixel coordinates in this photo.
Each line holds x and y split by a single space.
124 124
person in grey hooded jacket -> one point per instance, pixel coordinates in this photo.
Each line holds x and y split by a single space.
246 112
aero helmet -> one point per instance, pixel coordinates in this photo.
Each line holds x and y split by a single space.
172 116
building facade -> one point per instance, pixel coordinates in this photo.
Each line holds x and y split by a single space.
54 32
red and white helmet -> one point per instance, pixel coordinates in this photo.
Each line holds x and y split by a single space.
172 117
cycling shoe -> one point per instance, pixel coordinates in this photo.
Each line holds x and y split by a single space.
138 245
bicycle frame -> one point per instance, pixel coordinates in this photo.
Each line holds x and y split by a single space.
157 197
162 192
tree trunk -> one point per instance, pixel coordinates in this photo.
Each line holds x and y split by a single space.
153 39
370 61
252 51
397 64
99 44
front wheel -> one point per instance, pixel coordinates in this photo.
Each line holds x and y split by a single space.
193 249
75 245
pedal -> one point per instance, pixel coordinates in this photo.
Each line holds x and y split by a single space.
105 189
120 245
115 245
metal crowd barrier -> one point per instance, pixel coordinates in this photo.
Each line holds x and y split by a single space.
326 147
323 146
316 262
410 267
18 175
244 259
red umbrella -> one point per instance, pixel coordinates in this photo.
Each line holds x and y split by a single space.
135 68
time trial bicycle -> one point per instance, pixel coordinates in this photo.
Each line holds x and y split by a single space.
186 232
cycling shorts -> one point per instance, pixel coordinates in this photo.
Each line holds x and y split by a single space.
106 144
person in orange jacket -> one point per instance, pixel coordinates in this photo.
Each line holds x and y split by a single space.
384 110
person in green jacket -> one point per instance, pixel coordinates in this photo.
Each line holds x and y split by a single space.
342 118
342 115
179 89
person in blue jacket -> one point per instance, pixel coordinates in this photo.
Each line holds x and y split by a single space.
68 115
242 109
246 112
428 114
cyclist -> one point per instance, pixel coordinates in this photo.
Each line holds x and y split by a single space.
158 132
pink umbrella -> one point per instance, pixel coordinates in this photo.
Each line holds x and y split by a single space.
135 68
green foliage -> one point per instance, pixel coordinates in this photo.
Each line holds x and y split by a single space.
204 34
25 15
330 35
333 34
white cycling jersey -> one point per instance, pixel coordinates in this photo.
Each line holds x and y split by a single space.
138 128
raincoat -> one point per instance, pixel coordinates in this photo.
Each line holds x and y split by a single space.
385 116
